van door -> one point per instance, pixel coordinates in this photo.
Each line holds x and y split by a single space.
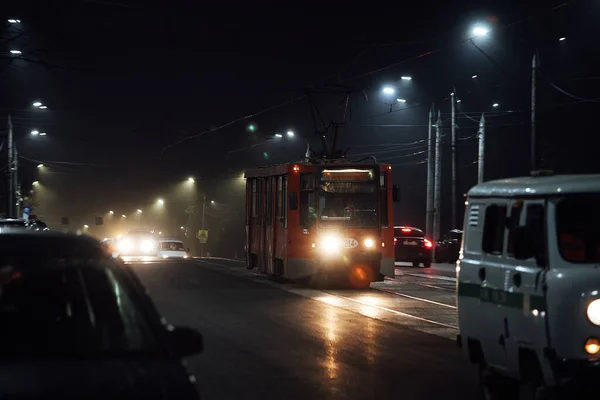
494 296
529 323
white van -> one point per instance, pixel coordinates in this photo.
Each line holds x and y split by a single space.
528 285
171 248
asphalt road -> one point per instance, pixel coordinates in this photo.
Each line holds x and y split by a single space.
281 341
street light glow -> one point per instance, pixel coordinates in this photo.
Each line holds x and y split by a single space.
14 21
111 212
290 133
212 202
160 202
458 101
401 100
35 183
43 107
40 165
278 135
42 133
139 211
123 216
34 132
37 104
388 90
16 52
406 78
480 31
495 105
182 228
190 179
86 226
474 76
562 38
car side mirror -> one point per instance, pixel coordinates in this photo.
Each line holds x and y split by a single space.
186 341
293 201
395 193
523 243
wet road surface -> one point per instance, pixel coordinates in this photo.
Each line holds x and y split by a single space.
284 341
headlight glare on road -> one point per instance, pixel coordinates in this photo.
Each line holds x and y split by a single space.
593 312
369 243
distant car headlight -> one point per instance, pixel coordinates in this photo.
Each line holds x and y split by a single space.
369 243
593 312
330 244
147 245
125 246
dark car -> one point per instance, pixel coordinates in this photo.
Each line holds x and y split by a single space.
410 245
32 224
77 323
447 249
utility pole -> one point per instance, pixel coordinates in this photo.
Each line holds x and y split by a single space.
534 68
16 188
430 166
11 172
202 224
454 161
481 153
437 198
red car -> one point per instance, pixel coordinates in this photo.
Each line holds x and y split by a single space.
410 245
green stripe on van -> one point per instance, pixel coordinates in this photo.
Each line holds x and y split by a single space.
501 297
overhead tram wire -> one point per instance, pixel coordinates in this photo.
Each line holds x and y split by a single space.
365 74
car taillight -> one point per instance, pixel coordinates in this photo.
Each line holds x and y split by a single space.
395 241
428 244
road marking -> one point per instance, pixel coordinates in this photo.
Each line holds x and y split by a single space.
346 303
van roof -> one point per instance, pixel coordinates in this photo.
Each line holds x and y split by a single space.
531 186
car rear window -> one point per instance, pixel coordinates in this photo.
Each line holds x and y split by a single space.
408 232
172 246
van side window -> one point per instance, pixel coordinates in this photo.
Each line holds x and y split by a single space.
493 229
515 216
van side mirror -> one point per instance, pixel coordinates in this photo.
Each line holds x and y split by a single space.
293 201
523 243
395 193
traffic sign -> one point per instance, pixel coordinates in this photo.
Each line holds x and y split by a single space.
202 235
26 212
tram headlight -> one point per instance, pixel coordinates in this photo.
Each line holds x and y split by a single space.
593 312
369 243
330 244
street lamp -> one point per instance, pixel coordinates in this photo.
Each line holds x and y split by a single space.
35 183
14 21
388 90
139 211
290 133
43 107
111 212
160 202
406 78
278 135
16 52
42 133
40 165
123 216
401 100
86 226
479 31
495 105
474 76
190 179
212 202
37 104
562 38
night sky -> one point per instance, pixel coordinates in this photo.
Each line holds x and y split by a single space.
125 82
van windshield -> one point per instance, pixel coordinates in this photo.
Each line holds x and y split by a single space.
578 228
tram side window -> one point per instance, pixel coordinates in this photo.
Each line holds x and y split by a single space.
384 199
515 216
307 200
279 211
254 199
269 200
284 201
260 197
493 229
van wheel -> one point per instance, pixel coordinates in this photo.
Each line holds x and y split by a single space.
493 386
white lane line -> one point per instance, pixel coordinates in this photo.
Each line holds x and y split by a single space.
318 295
414 298
438 277
393 311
